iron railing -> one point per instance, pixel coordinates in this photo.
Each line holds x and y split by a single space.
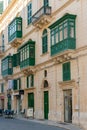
45 10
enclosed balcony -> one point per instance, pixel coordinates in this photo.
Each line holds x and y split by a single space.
27 56
1 51
42 17
15 32
6 66
63 34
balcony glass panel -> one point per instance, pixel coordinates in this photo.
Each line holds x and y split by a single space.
63 35
6 65
27 54
15 29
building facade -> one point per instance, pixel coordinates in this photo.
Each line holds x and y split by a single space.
3 5
43 56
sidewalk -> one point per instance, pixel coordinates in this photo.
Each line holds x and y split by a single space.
67 126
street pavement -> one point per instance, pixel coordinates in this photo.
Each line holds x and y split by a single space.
34 124
16 124
66 126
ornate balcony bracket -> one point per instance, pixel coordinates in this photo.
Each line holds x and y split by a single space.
42 17
16 42
64 56
44 20
29 70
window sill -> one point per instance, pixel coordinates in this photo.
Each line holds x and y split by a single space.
45 88
44 54
28 25
31 88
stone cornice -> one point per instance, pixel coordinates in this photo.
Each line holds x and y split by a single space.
65 84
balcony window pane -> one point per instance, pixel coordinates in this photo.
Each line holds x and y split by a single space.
23 54
19 27
56 36
65 33
61 35
71 32
27 51
52 40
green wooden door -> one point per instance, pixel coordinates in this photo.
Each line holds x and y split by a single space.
31 100
46 104
9 103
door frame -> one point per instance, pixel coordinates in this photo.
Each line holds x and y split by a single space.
46 104
69 103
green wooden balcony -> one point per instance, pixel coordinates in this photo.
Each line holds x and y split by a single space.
27 62
69 43
27 54
15 32
6 65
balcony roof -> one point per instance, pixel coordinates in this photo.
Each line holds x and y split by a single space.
28 42
66 16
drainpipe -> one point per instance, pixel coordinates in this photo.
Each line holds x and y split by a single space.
78 82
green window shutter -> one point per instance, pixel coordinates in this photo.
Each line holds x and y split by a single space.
2 87
27 81
31 100
18 58
29 13
46 2
19 83
66 71
44 42
1 7
32 80
15 85
14 60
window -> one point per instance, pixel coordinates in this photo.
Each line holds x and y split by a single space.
44 41
45 83
27 54
2 87
9 1
15 29
3 42
59 33
30 81
24 53
1 6
17 84
66 71
12 28
29 12
45 73
16 57
6 65
46 2
63 29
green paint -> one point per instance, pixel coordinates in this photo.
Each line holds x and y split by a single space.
46 104
66 71
15 29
